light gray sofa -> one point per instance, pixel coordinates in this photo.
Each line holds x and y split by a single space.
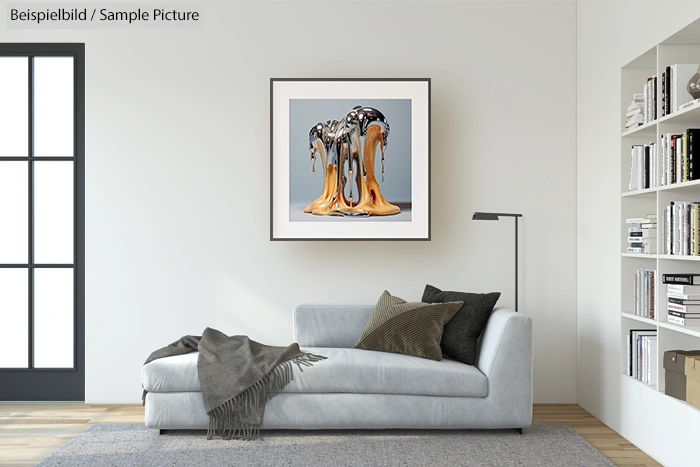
365 389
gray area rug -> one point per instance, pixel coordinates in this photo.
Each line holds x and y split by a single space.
135 445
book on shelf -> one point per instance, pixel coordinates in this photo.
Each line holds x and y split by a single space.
651 368
642 348
639 220
683 289
663 93
637 102
681 301
668 158
634 121
653 93
643 163
642 234
681 278
649 365
635 112
666 90
680 75
650 100
690 104
682 296
686 322
646 249
678 156
684 308
645 293
680 234
683 314
691 137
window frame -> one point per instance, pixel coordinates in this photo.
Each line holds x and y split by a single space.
32 383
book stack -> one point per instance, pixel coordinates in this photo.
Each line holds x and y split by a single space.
645 293
680 234
678 157
683 291
643 167
642 234
635 112
674 92
641 355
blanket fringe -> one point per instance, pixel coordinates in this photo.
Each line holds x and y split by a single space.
225 420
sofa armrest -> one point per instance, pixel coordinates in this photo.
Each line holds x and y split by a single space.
506 359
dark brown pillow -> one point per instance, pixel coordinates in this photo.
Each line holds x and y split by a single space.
460 335
408 328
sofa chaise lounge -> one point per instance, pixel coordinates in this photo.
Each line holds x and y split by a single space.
363 389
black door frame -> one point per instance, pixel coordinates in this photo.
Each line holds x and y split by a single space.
59 384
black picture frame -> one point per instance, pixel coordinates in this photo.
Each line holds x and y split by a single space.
275 210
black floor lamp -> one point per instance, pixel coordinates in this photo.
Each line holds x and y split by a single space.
494 216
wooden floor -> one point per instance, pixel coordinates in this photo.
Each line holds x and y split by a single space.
30 432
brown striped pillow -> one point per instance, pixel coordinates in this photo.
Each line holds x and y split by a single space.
408 328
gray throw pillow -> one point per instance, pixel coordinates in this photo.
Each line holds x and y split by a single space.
408 328
460 335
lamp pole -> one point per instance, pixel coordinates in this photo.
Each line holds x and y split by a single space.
516 264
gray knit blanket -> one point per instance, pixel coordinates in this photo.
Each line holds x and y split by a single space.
238 376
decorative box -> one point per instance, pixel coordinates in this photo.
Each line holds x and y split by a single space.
674 364
692 373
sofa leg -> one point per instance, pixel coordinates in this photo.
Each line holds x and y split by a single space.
160 432
519 430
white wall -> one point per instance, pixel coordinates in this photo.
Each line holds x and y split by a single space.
177 173
610 34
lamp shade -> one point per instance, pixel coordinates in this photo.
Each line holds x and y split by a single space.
485 216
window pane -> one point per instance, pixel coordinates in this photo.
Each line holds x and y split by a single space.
53 212
53 318
53 106
14 316
14 106
14 212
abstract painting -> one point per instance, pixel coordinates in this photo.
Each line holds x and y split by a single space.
350 159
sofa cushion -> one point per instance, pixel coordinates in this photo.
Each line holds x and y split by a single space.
346 371
407 328
461 333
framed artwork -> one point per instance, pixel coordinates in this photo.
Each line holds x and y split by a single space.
350 159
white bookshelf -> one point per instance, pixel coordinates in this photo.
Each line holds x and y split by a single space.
653 200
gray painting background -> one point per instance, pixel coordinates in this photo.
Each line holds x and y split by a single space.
305 186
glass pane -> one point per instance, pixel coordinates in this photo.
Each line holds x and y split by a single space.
14 106
14 212
53 212
53 318
14 318
53 106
